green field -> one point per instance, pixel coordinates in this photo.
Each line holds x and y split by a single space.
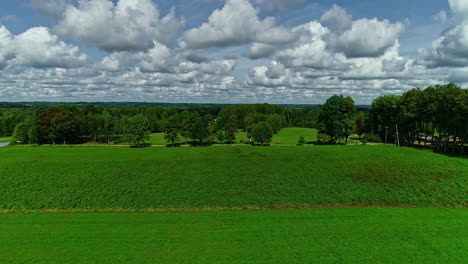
114 178
5 139
287 136
208 205
352 235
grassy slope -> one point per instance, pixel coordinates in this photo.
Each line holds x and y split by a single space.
353 235
99 178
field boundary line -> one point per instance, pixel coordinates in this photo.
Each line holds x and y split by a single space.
214 209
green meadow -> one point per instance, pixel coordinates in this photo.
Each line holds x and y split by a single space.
349 235
287 136
232 204
92 178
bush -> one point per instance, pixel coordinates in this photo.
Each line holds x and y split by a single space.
364 141
301 141
323 139
373 138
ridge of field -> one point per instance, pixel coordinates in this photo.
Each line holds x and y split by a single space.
102 178
350 235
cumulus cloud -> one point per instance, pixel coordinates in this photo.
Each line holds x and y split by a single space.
128 25
282 5
261 50
311 50
337 19
237 23
360 38
53 52
50 8
441 17
156 59
6 46
38 48
223 67
306 63
451 48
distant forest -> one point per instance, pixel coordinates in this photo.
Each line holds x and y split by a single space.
435 117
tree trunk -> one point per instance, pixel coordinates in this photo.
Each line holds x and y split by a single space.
454 143
462 148
446 142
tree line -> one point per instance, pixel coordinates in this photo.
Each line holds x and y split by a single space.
69 124
435 117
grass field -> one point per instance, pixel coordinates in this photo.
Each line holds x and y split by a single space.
102 178
287 136
352 235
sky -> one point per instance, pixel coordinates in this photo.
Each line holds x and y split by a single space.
228 51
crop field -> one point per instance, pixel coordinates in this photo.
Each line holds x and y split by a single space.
319 204
223 177
349 235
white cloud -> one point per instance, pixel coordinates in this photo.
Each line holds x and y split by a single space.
311 50
6 46
38 48
237 23
222 67
306 63
337 19
128 25
441 17
451 48
360 38
157 59
51 8
282 5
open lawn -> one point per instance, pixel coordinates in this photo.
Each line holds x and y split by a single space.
112 178
351 235
5 139
287 136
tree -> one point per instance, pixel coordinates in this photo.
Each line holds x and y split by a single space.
230 128
108 126
212 131
171 130
63 126
337 117
199 130
45 117
138 129
360 127
20 134
186 121
262 133
33 135
301 141
275 123
384 114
